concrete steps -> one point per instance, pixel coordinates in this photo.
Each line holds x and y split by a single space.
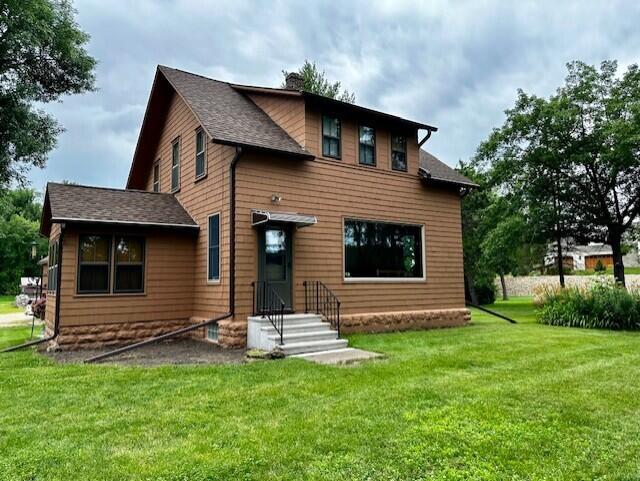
303 333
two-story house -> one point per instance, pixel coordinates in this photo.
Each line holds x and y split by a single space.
247 200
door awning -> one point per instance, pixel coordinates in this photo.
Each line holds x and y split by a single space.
259 217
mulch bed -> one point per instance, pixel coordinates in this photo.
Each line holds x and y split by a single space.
182 351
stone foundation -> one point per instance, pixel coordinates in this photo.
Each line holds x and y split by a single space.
118 334
232 334
404 321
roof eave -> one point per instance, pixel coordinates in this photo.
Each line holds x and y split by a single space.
259 148
165 225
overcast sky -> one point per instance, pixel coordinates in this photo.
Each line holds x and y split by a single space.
456 65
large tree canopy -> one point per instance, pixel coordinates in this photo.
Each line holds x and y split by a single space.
574 158
42 58
315 81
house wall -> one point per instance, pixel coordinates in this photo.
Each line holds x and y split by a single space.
333 190
165 304
200 198
350 143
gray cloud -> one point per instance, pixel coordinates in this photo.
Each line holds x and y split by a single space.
456 65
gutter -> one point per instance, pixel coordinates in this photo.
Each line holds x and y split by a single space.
232 276
56 321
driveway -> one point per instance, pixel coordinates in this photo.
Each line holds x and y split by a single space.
14 319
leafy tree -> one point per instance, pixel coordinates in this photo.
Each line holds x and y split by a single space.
575 157
19 230
315 81
42 58
500 247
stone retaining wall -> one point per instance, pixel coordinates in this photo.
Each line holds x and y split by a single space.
527 285
403 321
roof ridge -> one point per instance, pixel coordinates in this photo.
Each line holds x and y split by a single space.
196 75
116 189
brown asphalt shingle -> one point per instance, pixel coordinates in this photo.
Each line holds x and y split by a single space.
99 204
227 115
442 172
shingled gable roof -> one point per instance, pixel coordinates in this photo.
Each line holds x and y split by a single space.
436 170
82 204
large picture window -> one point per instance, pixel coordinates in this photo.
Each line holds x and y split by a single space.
213 270
175 165
93 264
331 137
367 145
129 264
382 250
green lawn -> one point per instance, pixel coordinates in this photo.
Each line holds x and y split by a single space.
7 305
609 271
491 401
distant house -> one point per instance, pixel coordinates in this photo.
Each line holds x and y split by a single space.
30 286
581 257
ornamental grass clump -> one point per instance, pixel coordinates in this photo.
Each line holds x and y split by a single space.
603 305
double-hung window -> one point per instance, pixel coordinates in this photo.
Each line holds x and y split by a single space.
382 250
156 176
201 166
213 253
94 260
367 136
331 137
129 264
399 153
175 165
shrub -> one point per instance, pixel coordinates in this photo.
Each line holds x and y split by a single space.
599 267
604 305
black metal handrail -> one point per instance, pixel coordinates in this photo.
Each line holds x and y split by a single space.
320 299
267 303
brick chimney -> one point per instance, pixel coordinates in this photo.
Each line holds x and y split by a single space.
294 81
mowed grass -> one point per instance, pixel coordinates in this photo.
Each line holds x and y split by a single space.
8 306
492 401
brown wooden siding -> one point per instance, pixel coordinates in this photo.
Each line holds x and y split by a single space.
200 198
591 261
332 191
168 284
287 112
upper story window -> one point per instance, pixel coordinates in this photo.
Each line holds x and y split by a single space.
399 153
93 264
175 165
156 176
201 165
331 132
367 137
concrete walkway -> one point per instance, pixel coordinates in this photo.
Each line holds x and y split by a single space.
15 319
349 355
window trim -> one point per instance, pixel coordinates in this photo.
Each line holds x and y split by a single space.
155 182
109 266
406 153
375 154
218 280
339 157
143 264
200 130
368 280
178 165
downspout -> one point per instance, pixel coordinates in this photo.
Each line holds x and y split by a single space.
232 276
56 320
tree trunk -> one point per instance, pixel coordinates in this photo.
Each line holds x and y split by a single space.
472 290
615 240
560 261
504 287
